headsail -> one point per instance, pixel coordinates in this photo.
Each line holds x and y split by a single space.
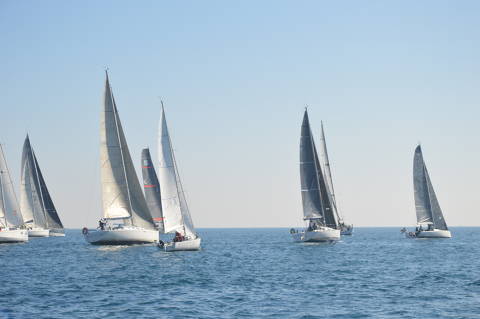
151 188
175 209
426 204
328 173
122 195
315 196
9 210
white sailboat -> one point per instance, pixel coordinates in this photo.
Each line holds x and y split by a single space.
318 211
10 217
430 220
39 212
176 215
345 229
127 219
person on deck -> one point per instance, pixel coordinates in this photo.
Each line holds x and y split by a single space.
178 237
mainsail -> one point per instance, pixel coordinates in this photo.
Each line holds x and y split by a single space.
175 209
9 211
151 188
122 195
35 201
317 202
426 204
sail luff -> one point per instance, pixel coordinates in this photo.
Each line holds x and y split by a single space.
151 188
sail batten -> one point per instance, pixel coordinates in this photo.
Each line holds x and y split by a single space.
174 204
427 208
122 195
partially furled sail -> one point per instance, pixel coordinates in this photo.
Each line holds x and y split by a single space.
315 195
9 211
175 209
122 195
426 204
151 188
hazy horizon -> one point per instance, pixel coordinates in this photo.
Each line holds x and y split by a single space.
235 78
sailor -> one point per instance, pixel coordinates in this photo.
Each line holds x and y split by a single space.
101 223
178 237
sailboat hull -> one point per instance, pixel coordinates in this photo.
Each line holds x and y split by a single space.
38 232
123 236
316 236
436 233
187 245
13 235
57 233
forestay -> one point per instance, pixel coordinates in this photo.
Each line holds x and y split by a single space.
151 188
175 209
9 211
426 204
122 195
316 199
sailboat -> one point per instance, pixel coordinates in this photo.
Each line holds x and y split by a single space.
126 218
318 208
430 220
10 217
39 212
176 214
151 188
345 229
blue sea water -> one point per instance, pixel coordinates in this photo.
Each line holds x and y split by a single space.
245 273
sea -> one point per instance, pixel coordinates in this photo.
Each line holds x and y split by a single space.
245 273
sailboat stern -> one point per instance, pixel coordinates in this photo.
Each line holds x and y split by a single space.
13 235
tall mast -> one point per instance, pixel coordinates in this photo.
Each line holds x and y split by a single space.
3 199
120 146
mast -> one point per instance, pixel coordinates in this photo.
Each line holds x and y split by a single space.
3 199
121 148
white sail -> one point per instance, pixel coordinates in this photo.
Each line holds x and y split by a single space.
327 172
122 195
9 211
30 197
175 209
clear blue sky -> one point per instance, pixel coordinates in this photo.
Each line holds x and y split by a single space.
235 76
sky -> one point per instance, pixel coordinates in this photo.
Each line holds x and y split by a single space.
235 77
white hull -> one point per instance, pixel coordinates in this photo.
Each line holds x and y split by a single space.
38 232
13 235
57 233
323 234
436 233
193 244
122 236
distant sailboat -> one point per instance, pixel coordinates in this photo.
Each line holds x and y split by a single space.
345 229
318 207
127 219
40 214
151 188
10 217
175 209
430 220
